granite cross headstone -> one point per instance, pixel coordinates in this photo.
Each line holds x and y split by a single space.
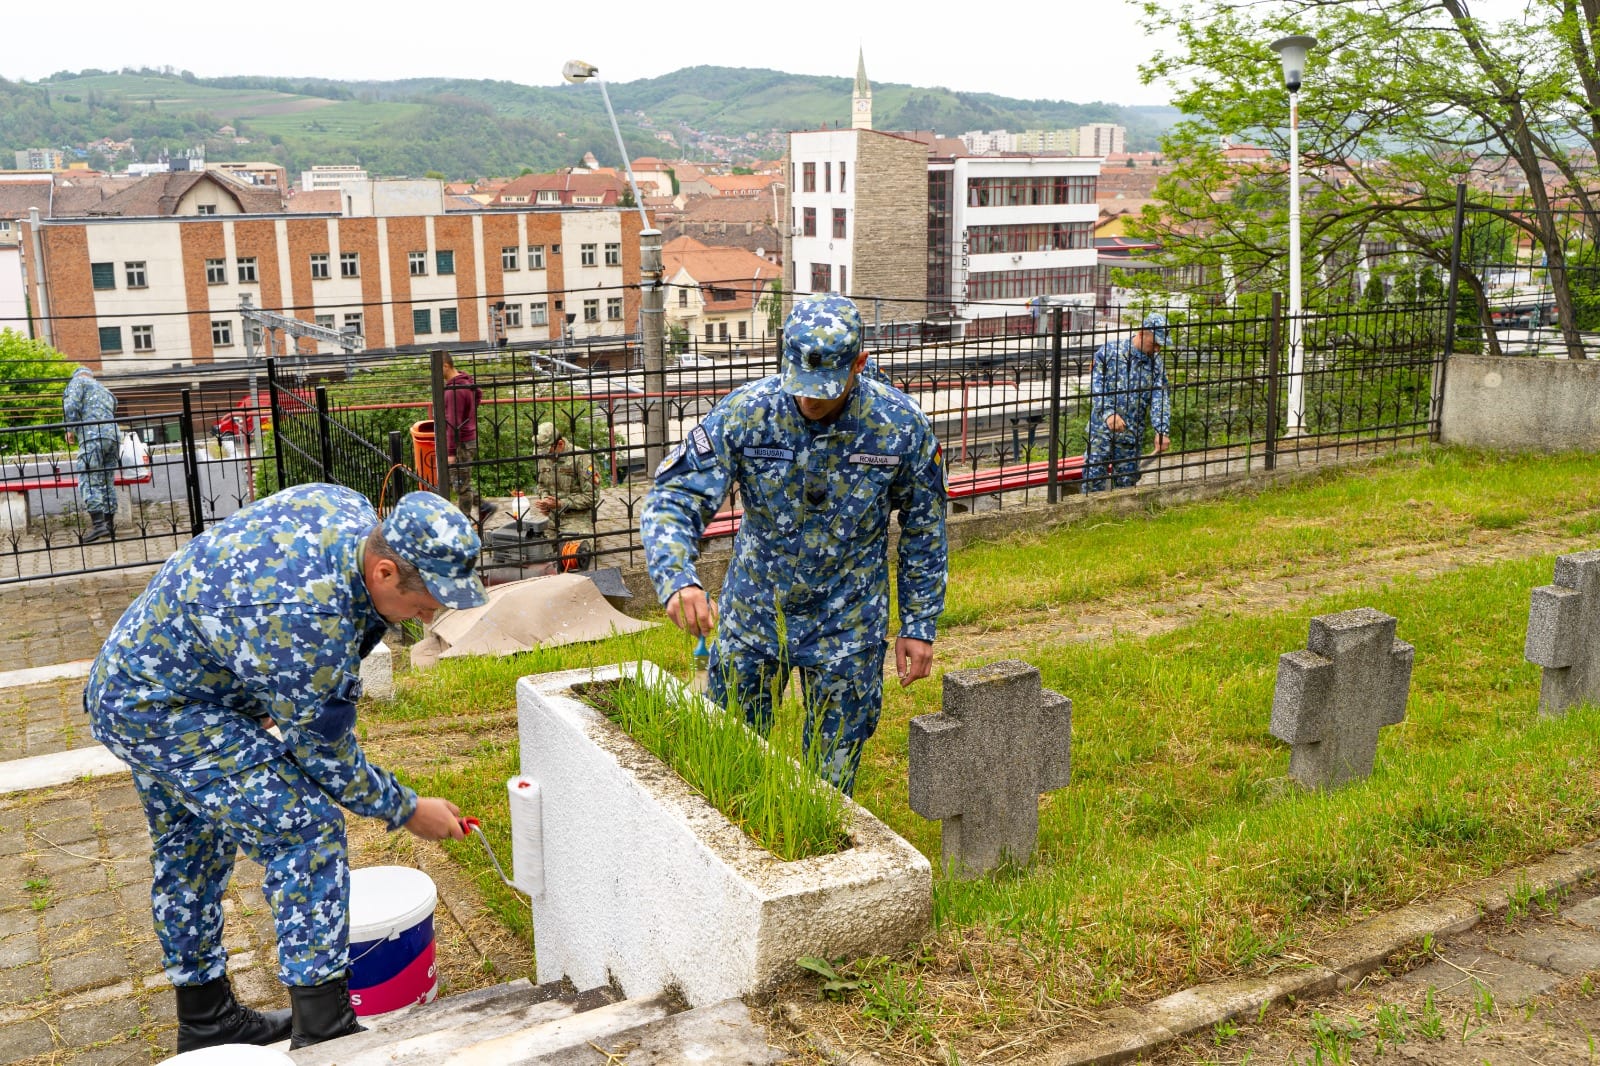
980 765
1564 634
1332 697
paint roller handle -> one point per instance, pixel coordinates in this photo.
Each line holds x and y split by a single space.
472 825
700 649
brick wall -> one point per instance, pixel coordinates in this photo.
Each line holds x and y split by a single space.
455 235
200 242
405 235
74 330
891 225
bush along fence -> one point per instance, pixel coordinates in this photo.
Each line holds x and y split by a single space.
1012 413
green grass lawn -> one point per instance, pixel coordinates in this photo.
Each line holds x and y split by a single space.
1180 853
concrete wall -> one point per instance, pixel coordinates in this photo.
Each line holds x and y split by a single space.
1519 403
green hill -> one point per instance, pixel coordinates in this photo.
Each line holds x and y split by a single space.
472 128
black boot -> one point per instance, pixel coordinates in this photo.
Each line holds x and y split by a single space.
98 529
208 1015
110 523
322 1012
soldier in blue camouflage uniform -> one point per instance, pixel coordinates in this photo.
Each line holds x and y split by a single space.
91 411
1127 392
822 456
263 621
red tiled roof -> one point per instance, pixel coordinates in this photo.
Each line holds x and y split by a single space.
159 194
318 201
733 268
17 197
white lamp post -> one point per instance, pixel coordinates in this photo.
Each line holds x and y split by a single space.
1292 50
652 296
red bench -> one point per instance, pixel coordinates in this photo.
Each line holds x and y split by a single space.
15 510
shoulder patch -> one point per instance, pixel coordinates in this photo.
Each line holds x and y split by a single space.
700 441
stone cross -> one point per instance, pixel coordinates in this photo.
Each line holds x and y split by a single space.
981 764
1352 678
1564 634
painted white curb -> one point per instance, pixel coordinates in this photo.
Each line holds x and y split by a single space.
58 768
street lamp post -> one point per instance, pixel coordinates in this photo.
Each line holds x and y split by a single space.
652 297
1292 50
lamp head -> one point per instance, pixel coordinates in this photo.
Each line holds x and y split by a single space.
1292 50
578 70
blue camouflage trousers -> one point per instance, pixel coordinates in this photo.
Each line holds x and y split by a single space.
97 466
278 817
1118 451
842 700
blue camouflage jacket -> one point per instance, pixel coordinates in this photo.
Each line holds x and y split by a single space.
90 408
264 615
810 573
1132 384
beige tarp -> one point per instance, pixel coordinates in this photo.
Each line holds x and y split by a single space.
558 609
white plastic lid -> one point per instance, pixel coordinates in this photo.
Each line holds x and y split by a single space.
384 900
233 1054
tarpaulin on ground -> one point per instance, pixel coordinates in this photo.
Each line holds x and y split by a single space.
558 609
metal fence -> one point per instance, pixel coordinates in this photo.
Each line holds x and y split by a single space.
1011 412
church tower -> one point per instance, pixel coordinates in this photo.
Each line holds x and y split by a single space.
861 98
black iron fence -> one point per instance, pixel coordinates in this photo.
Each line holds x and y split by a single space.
1011 411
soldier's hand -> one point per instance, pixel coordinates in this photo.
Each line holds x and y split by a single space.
1115 423
692 611
547 503
1163 442
436 819
913 659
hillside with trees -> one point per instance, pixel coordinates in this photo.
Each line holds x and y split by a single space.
473 128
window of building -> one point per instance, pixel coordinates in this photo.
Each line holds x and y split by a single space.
591 310
247 269
417 262
844 280
319 266
808 222
614 309
421 320
511 315
221 333
352 322
827 177
110 340
555 249
683 297
537 315
841 177
445 262
144 338
711 331
205 209
586 254
535 257
744 329
325 321
216 271
613 255
838 221
349 264
808 177
447 320
104 275
135 274
821 276
722 331
509 259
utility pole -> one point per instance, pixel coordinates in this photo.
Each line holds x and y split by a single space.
653 308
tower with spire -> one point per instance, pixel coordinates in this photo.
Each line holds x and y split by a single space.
861 98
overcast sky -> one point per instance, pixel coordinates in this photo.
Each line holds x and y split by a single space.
1080 51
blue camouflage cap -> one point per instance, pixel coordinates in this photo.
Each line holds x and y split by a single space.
821 340
1156 323
428 532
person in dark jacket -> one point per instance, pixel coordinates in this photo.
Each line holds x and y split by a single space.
461 399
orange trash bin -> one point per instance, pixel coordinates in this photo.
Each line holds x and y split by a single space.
422 451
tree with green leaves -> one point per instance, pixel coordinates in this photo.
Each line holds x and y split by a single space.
33 376
1401 101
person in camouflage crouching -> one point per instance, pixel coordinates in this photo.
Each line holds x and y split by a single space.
91 413
262 621
569 488
823 456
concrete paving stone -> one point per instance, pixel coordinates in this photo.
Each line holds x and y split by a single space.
89 969
1554 948
62 810
1511 982
65 831
13 889
135 895
81 909
25 1040
160 1002
125 820
144 956
13 842
70 859
18 950
259 987
18 920
21 984
103 1021
125 1052
1586 913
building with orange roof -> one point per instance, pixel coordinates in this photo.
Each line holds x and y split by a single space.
713 294
747 186
564 188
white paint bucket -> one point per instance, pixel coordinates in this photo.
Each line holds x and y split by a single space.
391 939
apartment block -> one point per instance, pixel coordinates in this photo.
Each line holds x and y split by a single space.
165 291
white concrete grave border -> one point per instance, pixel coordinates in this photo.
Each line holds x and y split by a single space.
648 884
